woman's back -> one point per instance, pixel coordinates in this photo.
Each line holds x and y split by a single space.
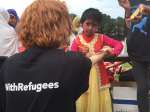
42 80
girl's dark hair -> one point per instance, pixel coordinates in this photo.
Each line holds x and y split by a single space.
93 14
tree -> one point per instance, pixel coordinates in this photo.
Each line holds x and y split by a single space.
112 27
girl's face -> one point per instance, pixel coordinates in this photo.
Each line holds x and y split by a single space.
89 27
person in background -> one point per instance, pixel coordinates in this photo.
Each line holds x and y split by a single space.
75 27
44 78
8 37
13 20
97 98
137 16
72 16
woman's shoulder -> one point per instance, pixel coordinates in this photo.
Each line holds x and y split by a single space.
13 58
10 61
77 58
73 54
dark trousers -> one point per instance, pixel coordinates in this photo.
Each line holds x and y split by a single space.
141 73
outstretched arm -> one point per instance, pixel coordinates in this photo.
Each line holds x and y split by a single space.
127 7
116 45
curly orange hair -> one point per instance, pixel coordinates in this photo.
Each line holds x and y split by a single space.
45 23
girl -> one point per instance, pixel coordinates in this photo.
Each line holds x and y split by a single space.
97 98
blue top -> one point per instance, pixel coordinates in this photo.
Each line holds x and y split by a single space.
140 24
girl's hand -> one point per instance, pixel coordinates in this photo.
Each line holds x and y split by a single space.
83 49
98 57
107 50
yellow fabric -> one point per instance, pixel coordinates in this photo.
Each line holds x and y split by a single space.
95 99
76 24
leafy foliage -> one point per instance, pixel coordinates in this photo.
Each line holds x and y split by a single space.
112 27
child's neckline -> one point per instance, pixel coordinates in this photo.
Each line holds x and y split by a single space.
88 39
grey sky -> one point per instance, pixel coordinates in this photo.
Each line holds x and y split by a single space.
109 7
